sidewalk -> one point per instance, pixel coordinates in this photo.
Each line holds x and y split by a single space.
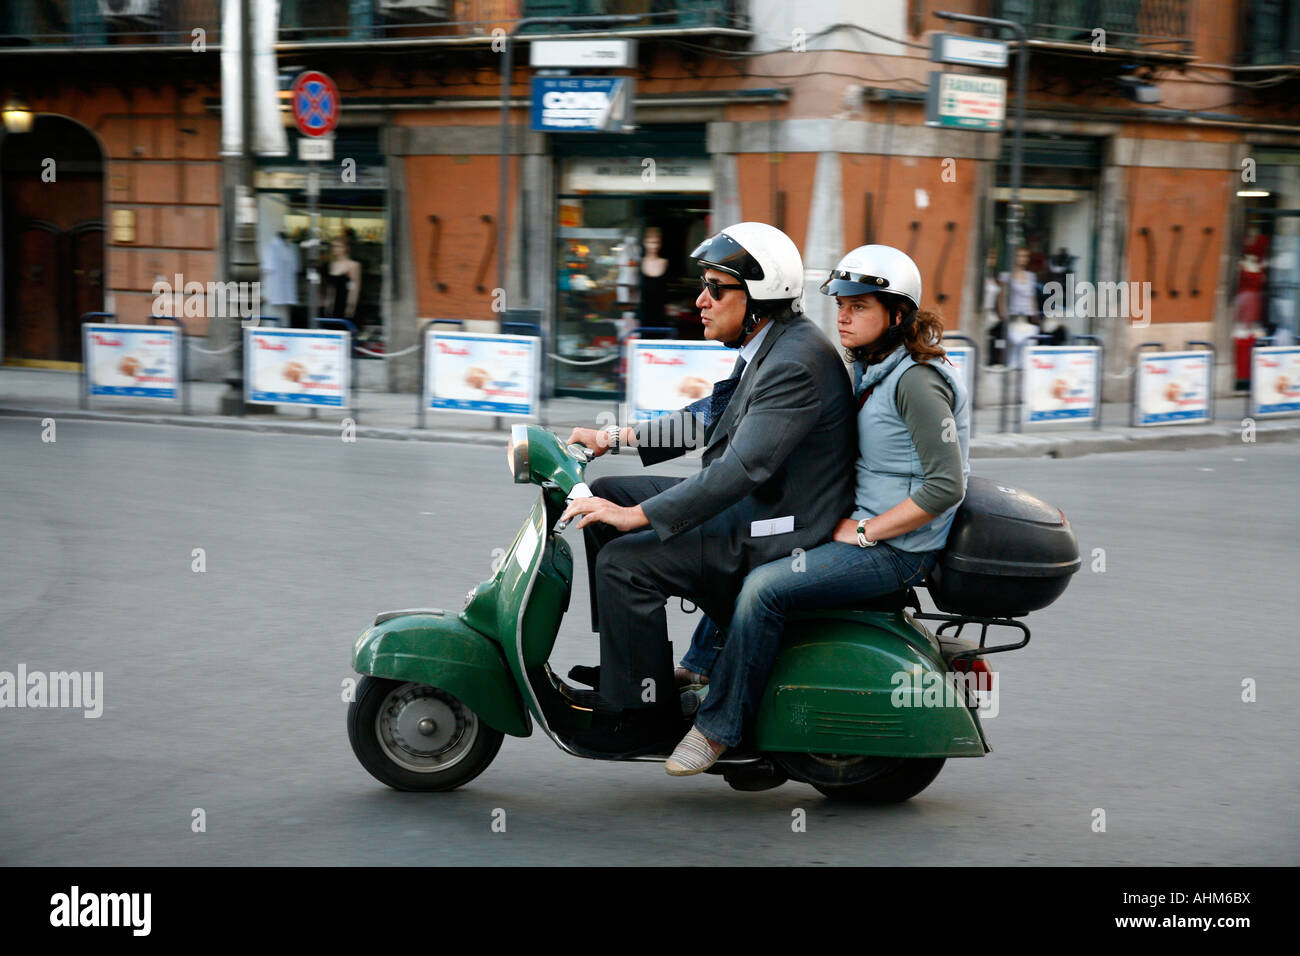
39 393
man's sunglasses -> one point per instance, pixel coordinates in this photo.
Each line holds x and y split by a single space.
715 287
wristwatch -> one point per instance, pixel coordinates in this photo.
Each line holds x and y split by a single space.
863 540
612 434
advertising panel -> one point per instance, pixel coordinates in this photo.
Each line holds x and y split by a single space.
140 361
297 367
1173 387
483 373
1275 380
1060 383
667 374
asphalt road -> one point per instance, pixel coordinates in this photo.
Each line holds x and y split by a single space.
222 689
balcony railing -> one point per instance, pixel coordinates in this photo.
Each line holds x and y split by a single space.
1146 26
1270 33
72 23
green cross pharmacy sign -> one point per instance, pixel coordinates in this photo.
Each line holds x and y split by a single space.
964 101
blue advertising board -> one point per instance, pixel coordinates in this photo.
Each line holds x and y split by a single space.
665 375
581 104
297 367
1275 380
1060 383
482 372
1173 387
136 361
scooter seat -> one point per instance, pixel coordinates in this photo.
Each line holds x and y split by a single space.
888 603
894 601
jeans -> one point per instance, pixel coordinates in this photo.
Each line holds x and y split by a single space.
833 575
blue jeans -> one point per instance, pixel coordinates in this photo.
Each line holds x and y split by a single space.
833 575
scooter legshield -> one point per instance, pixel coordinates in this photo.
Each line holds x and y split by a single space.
848 682
444 652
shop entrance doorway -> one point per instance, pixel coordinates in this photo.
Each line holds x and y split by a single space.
53 241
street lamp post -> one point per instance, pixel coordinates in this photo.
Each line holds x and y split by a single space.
1014 212
507 69
243 264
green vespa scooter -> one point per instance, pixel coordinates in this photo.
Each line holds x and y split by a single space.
863 704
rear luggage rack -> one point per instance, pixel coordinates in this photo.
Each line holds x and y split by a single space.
959 621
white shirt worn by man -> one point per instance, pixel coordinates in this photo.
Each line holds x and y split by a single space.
750 348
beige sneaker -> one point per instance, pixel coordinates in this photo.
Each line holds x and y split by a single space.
693 755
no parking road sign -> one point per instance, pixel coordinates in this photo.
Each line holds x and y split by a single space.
315 103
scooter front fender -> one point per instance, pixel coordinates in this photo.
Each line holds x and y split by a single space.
443 651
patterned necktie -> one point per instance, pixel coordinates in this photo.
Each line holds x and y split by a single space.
711 408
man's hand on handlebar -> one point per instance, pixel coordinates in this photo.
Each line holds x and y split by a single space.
593 438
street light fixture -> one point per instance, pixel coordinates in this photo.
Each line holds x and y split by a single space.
17 117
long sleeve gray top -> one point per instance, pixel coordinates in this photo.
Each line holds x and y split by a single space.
925 400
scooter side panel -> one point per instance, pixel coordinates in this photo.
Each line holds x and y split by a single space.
838 687
444 652
522 605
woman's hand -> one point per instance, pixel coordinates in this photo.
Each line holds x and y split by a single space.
846 532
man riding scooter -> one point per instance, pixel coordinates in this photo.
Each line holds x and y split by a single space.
776 476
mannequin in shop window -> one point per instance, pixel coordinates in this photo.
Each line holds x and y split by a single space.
343 281
1248 304
280 268
1020 287
654 279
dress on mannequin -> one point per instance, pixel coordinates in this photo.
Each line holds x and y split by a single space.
342 282
654 280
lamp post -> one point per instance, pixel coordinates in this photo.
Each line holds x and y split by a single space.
507 69
1014 212
242 266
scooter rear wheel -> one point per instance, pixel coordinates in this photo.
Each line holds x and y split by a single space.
863 779
416 737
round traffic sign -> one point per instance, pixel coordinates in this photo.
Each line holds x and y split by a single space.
315 103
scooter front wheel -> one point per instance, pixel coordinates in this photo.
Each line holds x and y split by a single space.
416 737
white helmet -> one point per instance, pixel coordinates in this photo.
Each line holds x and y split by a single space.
875 269
763 257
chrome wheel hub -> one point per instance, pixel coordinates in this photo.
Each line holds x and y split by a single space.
425 729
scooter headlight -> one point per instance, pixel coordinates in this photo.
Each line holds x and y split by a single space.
517 453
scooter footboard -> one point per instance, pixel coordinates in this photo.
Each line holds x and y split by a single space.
444 652
856 682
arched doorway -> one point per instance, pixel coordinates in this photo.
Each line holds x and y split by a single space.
53 239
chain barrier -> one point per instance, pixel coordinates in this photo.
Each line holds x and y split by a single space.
198 348
568 361
387 355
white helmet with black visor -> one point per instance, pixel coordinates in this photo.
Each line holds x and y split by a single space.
765 261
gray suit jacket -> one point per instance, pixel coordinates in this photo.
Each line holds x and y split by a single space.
785 447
